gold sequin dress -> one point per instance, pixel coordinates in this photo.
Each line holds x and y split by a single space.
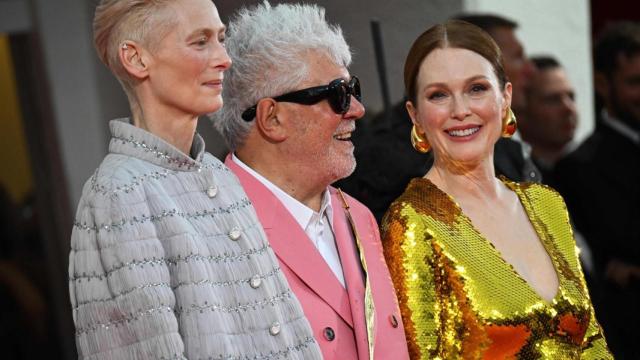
461 300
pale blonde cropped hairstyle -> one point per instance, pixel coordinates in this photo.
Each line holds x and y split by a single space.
145 22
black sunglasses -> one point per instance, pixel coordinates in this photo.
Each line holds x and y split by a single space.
338 92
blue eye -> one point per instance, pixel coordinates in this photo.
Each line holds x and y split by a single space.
436 95
476 88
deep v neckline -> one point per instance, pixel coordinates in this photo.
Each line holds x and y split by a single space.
550 250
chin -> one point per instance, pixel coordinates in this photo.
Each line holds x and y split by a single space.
464 151
212 106
340 169
468 157
346 169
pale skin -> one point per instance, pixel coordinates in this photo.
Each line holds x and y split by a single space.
181 78
460 106
302 149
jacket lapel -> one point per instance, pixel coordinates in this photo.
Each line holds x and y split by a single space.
386 314
291 244
353 272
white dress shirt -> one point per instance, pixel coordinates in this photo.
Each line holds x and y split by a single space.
317 225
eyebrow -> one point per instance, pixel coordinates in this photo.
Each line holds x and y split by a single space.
468 80
221 30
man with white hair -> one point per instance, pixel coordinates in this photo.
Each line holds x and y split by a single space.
290 109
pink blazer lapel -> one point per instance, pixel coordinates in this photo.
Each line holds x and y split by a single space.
291 244
353 273
389 338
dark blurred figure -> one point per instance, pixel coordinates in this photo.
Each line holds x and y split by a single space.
23 308
386 161
551 116
601 184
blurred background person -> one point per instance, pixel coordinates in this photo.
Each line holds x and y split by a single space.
601 184
550 117
24 318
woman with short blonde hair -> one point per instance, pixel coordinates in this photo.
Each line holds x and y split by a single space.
168 259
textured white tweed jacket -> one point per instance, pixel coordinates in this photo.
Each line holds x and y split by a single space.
168 261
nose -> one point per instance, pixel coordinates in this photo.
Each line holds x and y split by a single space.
569 105
219 58
356 110
460 108
528 70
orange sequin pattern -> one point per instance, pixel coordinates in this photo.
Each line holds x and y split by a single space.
459 299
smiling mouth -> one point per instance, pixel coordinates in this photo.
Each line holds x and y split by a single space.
463 132
345 136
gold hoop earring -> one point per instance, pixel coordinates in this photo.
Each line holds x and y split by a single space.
509 124
419 141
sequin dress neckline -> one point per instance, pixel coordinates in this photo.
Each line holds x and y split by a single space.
550 249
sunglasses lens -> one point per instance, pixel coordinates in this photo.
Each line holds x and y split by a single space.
354 84
339 97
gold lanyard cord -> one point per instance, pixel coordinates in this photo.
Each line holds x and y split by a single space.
369 308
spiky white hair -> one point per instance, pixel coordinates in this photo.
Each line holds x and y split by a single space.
268 46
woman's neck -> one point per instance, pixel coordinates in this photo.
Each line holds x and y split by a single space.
174 127
466 181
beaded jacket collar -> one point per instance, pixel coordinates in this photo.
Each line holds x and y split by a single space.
130 140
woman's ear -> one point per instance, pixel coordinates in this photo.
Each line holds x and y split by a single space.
267 121
507 94
134 59
411 109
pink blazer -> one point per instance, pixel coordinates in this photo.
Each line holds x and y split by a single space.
336 314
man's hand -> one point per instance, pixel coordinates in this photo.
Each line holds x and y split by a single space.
622 273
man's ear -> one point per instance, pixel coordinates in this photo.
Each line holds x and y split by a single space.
601 84
267 121
134 59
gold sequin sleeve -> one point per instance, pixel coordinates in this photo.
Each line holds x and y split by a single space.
433 304
401 229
